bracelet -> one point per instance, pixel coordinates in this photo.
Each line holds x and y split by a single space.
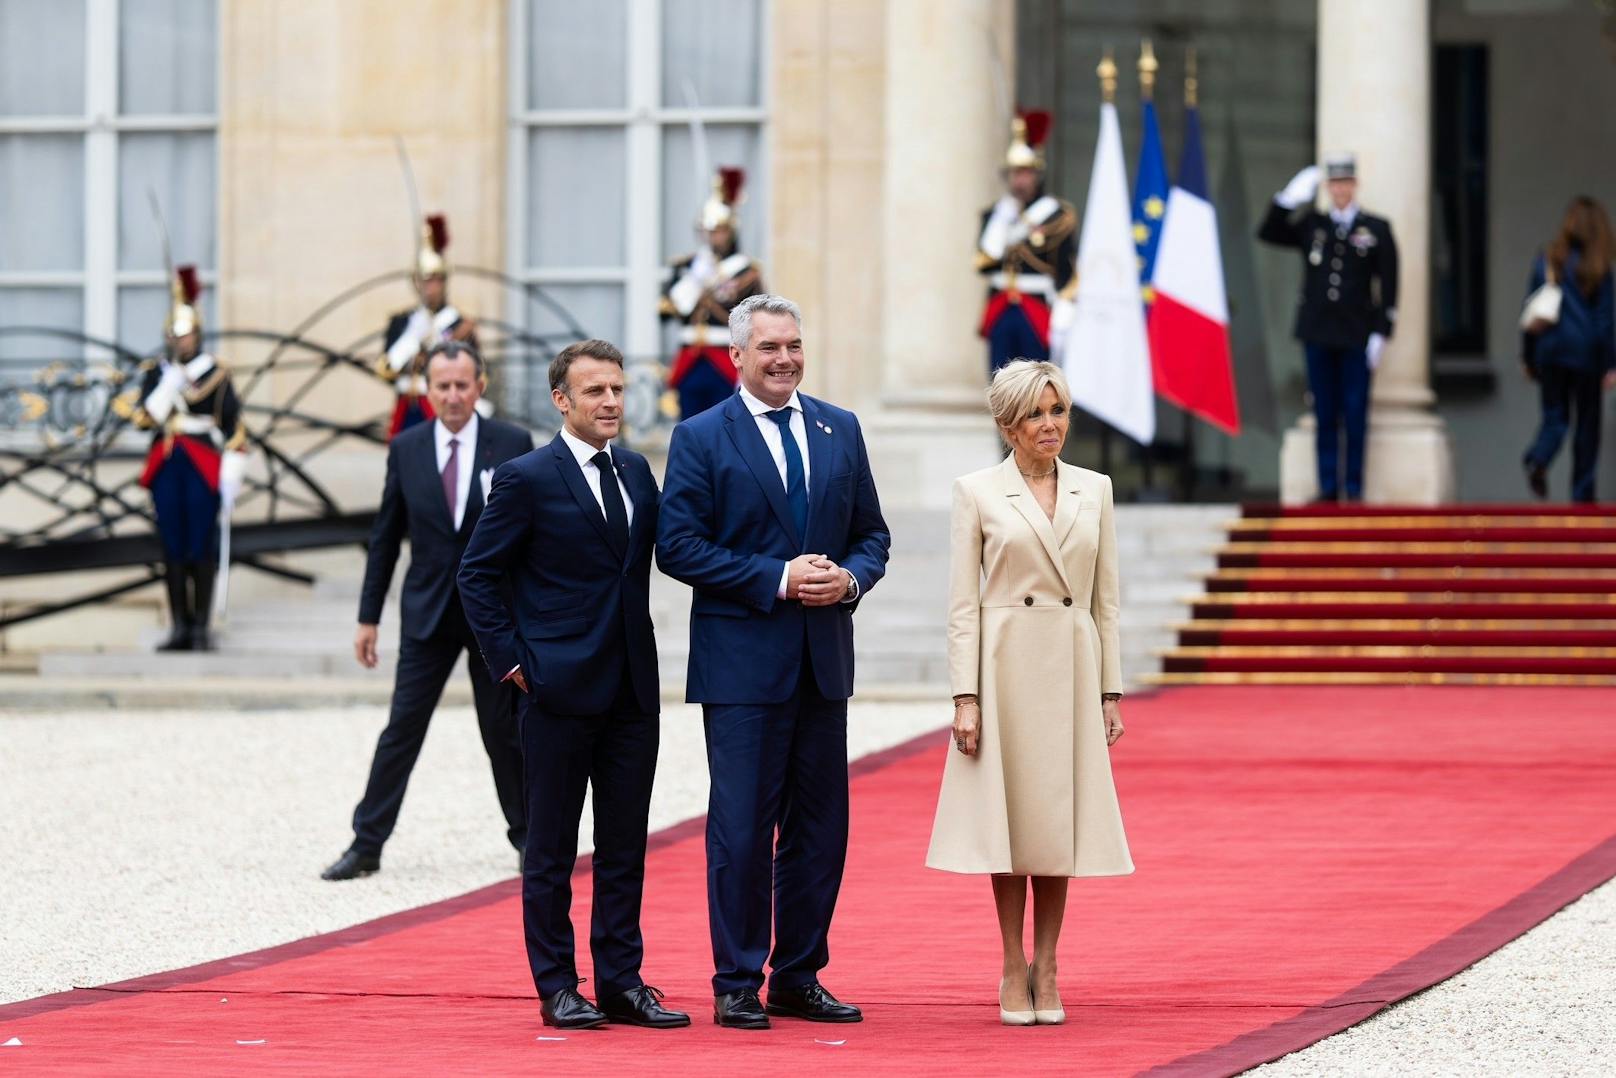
963 701
1107 697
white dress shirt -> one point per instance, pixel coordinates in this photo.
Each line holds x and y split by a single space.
1343 218
771 433
585 453
465 459
777 449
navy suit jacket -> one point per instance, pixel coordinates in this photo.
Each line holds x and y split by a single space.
413 505
727 531
577 608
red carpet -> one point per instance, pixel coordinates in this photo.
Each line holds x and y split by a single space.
1305 857
1493 594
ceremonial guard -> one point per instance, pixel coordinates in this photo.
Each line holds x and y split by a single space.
1345 313
410 334
701 290
196 462
1027 250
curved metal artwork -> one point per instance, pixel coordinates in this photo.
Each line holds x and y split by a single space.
70 457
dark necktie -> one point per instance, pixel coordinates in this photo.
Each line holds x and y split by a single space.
451 478
611 499
796 486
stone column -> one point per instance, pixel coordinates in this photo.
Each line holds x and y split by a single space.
1374 100
946 130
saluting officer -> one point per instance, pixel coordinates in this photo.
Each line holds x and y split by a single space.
1346 311
1027 250
195 464
411 334
701 289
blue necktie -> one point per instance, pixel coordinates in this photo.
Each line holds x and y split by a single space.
796 487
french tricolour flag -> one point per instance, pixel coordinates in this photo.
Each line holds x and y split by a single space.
1189 322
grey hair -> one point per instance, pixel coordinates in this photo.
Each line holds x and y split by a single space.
740 318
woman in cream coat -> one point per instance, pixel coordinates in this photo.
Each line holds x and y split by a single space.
1036 673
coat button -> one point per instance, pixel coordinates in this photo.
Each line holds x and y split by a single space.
1066 601
1028 600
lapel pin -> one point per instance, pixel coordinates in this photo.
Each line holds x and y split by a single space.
824 428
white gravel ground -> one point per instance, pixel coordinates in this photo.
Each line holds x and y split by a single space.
141 841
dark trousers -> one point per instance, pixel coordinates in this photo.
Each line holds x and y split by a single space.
702 388
1339 381
424 667
1564 392
775 766
616 754
187 511
1012 337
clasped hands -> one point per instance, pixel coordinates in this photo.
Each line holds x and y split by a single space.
815 580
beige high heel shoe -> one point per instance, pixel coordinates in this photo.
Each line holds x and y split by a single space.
1015 1018
1042 1017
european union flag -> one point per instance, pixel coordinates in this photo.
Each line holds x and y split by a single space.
1149 200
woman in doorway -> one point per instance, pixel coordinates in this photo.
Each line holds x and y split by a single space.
1573 357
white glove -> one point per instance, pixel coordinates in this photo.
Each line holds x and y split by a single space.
232 472
1377 344
1061 317
1302 188
160 402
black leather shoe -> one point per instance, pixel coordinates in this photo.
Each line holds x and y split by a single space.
813 1003
352 865
566 1009
740 1010
1538 480
642 1006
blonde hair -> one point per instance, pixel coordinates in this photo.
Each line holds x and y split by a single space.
1016 387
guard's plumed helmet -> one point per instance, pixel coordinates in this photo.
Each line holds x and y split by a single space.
719 209
430 259
1028 131
184 314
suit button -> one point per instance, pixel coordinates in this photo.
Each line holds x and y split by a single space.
1334 295
1066 601
1028 600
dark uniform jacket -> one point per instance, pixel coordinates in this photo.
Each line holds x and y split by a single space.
212 397
709 309
1349 275
1049 249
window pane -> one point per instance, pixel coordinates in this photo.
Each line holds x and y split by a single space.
167 56
42 57
594 309
711 45
575 181
41 202
142 309
577 54
683 191
23 354
180 168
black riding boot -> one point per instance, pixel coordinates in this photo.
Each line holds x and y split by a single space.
179 608
202 575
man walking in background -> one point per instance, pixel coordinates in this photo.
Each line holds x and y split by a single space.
437 481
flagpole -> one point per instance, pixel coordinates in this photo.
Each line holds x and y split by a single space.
1186 478
1147 94
1107 71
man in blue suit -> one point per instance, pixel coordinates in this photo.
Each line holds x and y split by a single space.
771 516
556 585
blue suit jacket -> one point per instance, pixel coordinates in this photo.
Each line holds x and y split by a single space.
727 531
578 609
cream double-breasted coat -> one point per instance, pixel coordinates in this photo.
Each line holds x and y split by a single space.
1032 630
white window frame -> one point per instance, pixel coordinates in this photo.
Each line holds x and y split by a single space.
101 125
643 120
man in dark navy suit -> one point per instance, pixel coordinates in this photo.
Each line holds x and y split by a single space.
437 482
556 583
771 515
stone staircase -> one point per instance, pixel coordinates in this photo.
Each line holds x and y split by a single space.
298 633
